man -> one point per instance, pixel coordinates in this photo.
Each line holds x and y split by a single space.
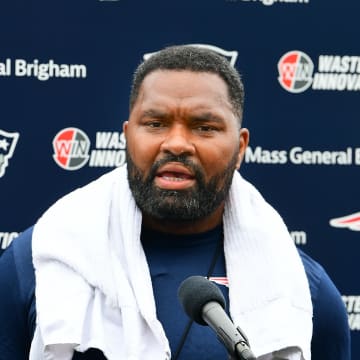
105 281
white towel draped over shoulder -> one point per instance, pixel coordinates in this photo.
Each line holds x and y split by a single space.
93 285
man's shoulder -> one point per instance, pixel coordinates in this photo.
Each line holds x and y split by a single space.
322 287
22 249
331 333
17 297
17 260
22 244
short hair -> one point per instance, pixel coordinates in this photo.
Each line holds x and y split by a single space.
196 59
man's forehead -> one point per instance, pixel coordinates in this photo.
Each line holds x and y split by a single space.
184 82
168 90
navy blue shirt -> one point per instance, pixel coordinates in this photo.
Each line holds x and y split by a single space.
171 259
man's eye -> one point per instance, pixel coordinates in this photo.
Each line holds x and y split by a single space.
206 128
154 124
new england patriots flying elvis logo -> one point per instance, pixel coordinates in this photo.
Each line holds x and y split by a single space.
8 143
352 222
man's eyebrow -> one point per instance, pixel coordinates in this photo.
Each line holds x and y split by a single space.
200 117
155 113
207 116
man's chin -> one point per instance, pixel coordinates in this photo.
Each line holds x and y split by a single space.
180 194
172 208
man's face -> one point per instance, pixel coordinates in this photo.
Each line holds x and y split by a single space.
183 145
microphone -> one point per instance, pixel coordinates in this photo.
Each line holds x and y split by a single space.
204 303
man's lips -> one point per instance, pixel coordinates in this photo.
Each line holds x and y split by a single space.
173 176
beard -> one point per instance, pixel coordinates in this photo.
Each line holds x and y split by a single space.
180 205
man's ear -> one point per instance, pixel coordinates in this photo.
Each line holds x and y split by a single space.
243 143
125 125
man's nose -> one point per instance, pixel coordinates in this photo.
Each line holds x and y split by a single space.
178 141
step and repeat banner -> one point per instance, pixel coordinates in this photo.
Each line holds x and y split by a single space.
65 75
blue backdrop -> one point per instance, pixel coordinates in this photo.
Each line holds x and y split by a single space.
65 73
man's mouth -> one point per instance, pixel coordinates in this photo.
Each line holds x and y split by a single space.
173 176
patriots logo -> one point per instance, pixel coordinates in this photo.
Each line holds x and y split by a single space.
352 222
231 56
8 143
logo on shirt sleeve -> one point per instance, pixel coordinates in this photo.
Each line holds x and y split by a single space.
220 280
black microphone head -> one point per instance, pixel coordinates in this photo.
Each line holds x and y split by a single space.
196 291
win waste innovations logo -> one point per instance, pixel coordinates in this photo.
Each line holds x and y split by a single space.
297 73
71 148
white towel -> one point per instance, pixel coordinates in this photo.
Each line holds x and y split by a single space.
93 286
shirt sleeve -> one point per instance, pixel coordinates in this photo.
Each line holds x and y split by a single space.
331 338
331 332
17 307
